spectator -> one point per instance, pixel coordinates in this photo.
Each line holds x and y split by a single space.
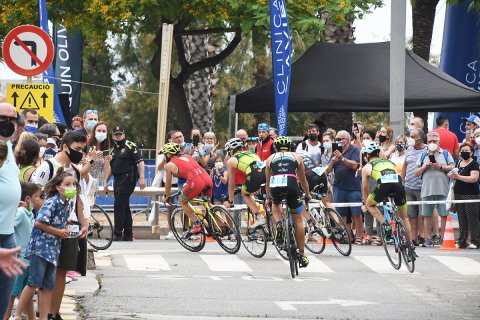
312 146
77 123
471 124
220 181
90 119
195 143
63 129
42 121
415 123
265 147
31 120
242 134
208 152
9 263
252 143
385 137
449 140
51 131
476 151
273 132
398 157
24 136
27 157
10 196
433 167
357 129
466 188
347 185
126 167
413 184
325 158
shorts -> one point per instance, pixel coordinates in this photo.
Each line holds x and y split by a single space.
41 274
315 180
346 196
254 180
20 282
383 190
68 254
413 195
193 188
427 209
293 194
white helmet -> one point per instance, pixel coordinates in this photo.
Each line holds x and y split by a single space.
234 143
370 147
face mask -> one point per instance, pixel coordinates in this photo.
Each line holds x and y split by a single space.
91 124
31 128
327 145
410 142
312 136
42 151
74 155
30 207
120 143
400 147
340 144
465 155
100 136
219 165
7 129
410 128
70 193
432 147
209 146
477 140
182 145
382 138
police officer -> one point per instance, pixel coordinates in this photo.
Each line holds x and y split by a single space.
127 167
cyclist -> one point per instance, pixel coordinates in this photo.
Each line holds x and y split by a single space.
283 168
198 181
250 164
388 182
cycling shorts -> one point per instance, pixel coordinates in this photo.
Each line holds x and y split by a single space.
383 190
254 180
193 188
314 180
292 192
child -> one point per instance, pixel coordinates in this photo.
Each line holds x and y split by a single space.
252 144
44 246
220 181
23 228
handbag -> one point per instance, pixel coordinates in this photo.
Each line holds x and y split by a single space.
451 196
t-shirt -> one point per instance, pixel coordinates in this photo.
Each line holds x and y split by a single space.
10 192
23 230
411 181
435 182
398 160
219 188
448 139
345 177
462 187
314 151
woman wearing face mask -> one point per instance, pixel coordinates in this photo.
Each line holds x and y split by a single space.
476 149
466 188
327 140
208 152
220 181
398 157
385 137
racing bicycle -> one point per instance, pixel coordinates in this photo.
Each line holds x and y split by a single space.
100 228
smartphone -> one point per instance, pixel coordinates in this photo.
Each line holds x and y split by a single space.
195 140
432 158
105 153
335 147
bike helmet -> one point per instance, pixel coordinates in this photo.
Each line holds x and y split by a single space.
234 143
282 143
171 148
370 147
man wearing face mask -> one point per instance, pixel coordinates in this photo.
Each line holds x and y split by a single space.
127 167
10 193
312 146
471 125
31 120
415 123
433 168
265 146
448 139
90 119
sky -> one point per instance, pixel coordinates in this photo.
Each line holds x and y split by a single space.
374 27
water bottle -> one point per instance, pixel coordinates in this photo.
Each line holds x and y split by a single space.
199 213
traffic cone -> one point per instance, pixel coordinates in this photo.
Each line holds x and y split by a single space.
448 242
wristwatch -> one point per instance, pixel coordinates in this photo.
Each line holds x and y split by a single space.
343 159
91 161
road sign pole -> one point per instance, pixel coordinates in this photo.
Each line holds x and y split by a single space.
29 79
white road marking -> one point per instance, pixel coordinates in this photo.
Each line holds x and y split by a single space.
224 262
380 264
153 262
290 305
315 265
461 265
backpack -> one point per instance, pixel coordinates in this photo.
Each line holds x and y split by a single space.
424 155
51 169
304 146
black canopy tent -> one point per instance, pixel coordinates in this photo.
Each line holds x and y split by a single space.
355 77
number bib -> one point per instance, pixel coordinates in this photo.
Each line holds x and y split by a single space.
389 178
278 181
74 230
319 170
261 164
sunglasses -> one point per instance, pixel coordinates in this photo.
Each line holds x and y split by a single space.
339 139
90 111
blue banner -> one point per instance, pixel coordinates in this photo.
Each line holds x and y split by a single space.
461 56
49 74
281 61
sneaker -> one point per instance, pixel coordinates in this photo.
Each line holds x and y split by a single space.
427 244
170 236
472 246
73 274
259 221
421 240
303 261
436 240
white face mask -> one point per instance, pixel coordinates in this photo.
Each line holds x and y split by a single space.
219 165
410 142
477 140
100 136
42 151
432 147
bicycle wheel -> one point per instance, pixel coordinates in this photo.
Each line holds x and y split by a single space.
100 229
225 230
180 225
291 245
405 245
391 248
339 233
314 240
254 240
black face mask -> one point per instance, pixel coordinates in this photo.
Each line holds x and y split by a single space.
382 138
465 155
120 143
74 155
400 147
312 136
7 129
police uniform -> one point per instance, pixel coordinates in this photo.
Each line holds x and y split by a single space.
125 158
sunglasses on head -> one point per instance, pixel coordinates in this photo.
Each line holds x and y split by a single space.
90 111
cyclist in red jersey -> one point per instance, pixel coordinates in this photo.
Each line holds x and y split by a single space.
198 180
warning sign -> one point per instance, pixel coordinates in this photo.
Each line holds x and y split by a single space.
37 96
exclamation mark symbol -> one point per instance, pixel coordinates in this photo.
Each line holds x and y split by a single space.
29 102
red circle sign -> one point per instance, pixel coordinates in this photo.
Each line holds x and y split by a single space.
28 50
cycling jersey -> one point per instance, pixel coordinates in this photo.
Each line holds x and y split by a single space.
388 182
198 180
313 178
247 160
250 164
283 180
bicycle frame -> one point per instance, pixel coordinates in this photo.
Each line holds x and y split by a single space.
389 208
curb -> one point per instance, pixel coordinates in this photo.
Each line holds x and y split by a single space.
75 290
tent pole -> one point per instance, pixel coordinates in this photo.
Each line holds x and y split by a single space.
236 123
397 66
231 110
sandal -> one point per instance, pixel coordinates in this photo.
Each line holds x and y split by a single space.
367 242
358 241
376 241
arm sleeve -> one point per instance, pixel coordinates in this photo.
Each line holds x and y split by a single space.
41 174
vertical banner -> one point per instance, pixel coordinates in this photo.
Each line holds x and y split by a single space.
49 75
461 56
281 61
68 65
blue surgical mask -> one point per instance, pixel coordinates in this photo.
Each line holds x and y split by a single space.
327 145
340 144
100 136
410 128
182 145
91 124
31 128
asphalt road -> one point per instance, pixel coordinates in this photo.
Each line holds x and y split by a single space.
161 280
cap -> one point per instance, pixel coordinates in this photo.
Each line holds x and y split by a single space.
52 141
263 126
117 130
474 119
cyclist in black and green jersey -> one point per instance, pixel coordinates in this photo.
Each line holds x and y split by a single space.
388 182
250 164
